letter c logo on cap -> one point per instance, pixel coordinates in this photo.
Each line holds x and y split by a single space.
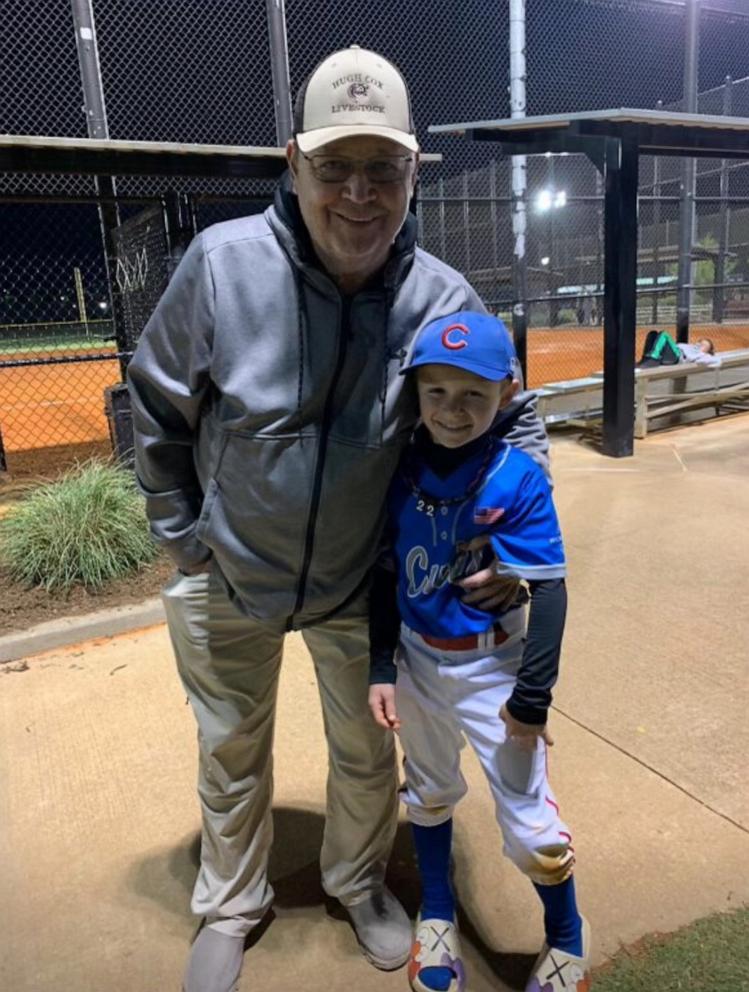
448 337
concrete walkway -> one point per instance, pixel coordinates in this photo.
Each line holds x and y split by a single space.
99 822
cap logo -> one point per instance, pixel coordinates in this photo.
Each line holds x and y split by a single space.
357 79
358 91
449 340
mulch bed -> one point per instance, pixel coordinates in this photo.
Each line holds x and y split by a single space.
22 608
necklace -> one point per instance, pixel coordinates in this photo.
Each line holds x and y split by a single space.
429 504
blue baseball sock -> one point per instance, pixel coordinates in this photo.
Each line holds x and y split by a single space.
564 928
433 846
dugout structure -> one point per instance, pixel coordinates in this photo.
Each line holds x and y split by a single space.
143 248
614 140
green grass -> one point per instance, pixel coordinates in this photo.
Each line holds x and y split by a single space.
31 346
711 955
87 528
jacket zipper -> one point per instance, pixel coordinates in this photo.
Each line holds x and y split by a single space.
327 417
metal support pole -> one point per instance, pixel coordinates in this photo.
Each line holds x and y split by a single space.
600 211
279 60
179 218
466 228
493 216
686 211
719 296
96 121
656 224
443 233
519 187
620 297
552 267
81 300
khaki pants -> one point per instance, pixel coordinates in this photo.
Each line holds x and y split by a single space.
229 666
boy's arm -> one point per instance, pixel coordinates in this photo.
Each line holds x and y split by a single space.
531 697
384 624
528 544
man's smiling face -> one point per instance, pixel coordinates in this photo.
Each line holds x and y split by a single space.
354 222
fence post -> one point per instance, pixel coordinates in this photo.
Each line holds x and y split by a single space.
686 207
466 226
96 122
656 227
519 187
620 296
719 293
443 220
179 225
81 299
279 61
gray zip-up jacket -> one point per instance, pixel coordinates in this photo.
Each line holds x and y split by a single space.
269 415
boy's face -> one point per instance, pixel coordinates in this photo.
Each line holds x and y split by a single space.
457 406
705 345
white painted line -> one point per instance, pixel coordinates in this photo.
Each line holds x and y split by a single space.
679 460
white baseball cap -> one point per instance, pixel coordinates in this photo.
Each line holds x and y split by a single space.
353 91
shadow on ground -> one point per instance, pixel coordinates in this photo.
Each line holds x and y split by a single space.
167 878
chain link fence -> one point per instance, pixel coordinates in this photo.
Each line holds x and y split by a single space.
200 71
54 311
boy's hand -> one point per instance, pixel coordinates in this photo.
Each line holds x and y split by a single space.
485 589
524 735
382 705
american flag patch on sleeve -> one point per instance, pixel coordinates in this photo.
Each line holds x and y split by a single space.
485 516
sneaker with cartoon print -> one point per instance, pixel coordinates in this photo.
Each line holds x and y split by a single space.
560 971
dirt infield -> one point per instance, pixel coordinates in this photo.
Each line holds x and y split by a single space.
47 406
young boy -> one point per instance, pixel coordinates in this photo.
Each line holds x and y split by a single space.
464 498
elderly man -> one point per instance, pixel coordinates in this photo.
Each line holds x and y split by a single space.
269 418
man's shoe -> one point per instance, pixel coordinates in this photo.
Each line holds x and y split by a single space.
382 929
215 962
559 971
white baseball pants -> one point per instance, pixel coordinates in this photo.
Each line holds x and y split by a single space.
444 697
229 666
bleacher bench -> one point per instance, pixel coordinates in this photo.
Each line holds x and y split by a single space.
666 393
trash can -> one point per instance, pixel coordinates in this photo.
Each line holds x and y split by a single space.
120 420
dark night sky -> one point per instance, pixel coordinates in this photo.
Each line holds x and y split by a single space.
198 70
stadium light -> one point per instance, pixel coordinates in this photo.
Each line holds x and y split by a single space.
547 199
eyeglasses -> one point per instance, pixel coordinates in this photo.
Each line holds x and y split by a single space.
334 169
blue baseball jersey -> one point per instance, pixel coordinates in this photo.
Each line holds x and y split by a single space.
512 506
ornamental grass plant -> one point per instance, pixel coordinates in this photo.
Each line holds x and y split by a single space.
87 528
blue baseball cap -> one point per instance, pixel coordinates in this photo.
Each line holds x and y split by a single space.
468 340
